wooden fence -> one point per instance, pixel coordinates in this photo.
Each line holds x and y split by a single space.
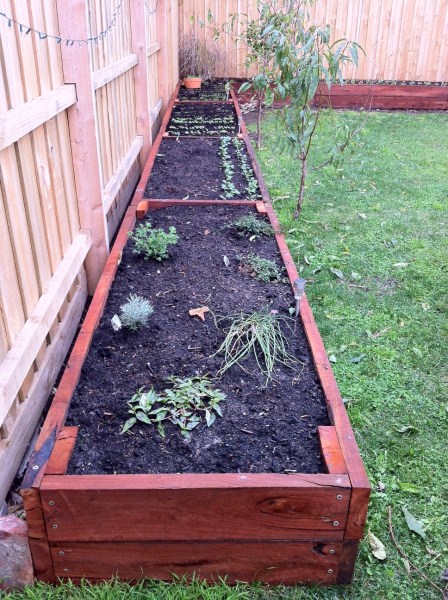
403 39
76 124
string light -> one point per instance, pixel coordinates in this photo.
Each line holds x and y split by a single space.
26 29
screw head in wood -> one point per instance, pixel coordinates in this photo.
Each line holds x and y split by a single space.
339 497
330 571
51 502
61 553
65 570
331 551
335 523
35 467
55 526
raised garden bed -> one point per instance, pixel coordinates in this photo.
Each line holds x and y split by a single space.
201 169
213 90
259 520
203 119
398 96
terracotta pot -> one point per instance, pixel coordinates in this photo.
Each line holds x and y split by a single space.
193 83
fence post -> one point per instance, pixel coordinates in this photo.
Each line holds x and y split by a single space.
162 55
72 18
138 34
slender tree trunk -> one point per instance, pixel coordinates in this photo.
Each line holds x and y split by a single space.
259 110
301 189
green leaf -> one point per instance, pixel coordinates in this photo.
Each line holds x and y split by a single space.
210 418
143 418
357 359
409 487
129 423
413 524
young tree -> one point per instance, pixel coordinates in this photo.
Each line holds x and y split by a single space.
304 57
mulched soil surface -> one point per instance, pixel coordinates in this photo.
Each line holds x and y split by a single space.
193 168
202 120
263 429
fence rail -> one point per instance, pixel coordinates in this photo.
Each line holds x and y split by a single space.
403 39
76 124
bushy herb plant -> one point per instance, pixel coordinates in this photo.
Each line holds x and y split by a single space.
153 243
252 226
259 334
185 404
228 187
136 312
262 269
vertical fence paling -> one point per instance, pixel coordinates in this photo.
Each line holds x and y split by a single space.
403 39
75 125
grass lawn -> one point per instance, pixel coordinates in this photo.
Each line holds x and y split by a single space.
371 242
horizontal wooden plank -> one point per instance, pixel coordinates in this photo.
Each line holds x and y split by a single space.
194 507
21 120
101 77
20 357
271 562
155 111
331 449
152 48
113 186
13 448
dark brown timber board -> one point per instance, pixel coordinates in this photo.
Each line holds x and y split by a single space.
270 562
195 507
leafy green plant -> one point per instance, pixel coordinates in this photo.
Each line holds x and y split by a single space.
259 334
228 187
262 269
136 312
185 404
251 225
246 169
153 243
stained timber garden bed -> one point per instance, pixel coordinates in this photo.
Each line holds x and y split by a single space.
280 513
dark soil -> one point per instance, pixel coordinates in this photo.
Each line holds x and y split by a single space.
203 120
210 90
190 168
263 429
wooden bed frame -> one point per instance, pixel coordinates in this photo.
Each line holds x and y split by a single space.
275 528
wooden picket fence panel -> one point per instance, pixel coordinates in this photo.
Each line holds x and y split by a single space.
76 124
404 40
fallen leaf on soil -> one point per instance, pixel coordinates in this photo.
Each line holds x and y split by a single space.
413 524
199 312
378 549
207 231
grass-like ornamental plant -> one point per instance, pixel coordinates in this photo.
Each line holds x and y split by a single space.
185 404
153 243
251 225
259 334
262 269
136 312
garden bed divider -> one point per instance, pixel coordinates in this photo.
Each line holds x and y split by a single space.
277 528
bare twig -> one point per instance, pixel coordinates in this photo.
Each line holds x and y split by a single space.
443 592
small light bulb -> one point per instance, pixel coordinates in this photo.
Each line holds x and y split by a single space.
299 292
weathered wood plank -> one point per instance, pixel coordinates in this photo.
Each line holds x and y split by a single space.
39 546
113 187
106 74
331 449
12 449
269 562
23 352
63 449
195 507
21 120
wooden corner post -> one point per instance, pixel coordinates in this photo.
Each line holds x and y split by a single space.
163 65
72 18
138 33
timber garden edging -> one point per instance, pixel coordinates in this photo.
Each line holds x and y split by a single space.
290 529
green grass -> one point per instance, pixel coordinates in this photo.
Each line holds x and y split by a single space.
381 221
